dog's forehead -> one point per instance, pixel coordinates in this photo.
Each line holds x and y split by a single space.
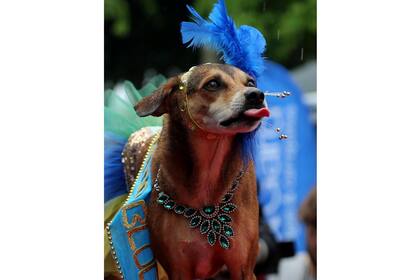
196 73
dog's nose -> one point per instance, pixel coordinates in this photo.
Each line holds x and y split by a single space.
254 96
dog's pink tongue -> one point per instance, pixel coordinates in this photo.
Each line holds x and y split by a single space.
257 113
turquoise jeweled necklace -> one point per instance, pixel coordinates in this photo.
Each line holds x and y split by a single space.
212 220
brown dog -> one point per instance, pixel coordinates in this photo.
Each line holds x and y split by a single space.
199 155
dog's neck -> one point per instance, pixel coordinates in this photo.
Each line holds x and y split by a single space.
196 170
209 156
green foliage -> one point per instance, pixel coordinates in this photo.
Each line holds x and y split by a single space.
118 11
287 25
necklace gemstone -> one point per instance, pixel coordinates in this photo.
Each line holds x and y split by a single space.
169 204
228 230
228 208
209 210
205 226
162 198
179 209
224 242
211 238
215 224
195 221
189 212
225 218
228 197
212 220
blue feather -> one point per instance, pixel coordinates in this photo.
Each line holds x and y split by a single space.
242 47
248 143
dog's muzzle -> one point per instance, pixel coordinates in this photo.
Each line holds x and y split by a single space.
254 109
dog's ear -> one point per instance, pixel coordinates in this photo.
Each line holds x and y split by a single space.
156 104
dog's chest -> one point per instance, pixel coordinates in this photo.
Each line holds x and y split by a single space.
175 242
206 260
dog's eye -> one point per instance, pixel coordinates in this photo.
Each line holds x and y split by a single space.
250 83
212 85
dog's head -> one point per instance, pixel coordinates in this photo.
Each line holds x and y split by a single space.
217 98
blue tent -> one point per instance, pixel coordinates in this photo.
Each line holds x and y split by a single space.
286 169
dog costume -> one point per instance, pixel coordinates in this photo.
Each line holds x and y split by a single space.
127 242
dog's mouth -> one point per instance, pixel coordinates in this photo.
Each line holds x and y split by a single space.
248 116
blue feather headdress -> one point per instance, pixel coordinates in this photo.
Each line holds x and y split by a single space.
241 47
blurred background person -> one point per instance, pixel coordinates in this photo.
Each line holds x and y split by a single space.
302 266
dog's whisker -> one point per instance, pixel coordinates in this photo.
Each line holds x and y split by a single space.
236 106
281 94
